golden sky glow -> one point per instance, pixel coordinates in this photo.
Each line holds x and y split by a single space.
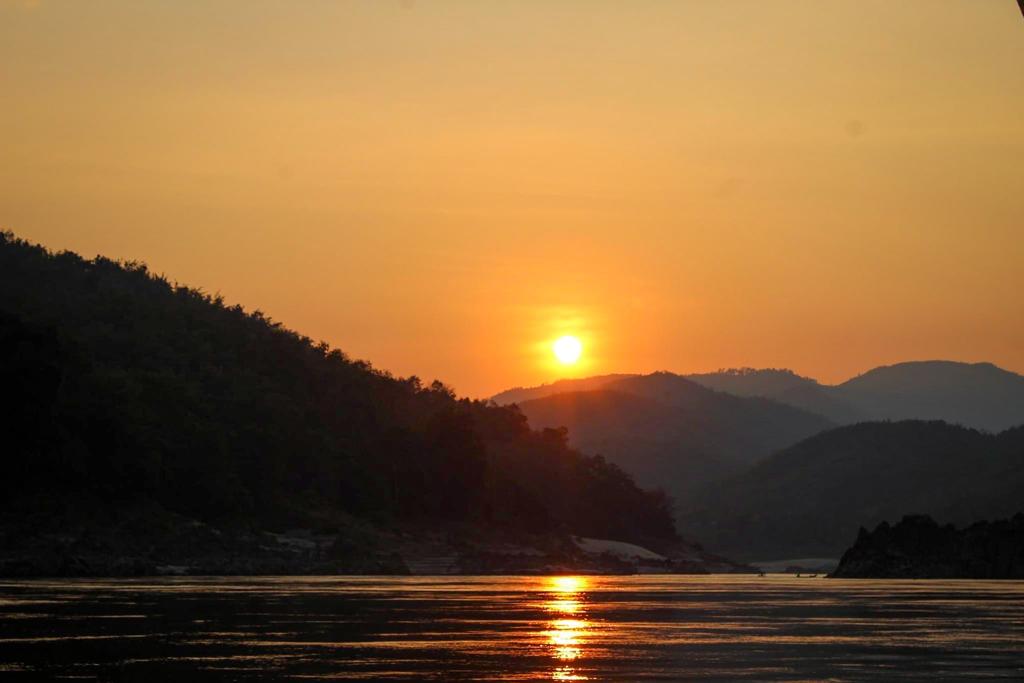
444 188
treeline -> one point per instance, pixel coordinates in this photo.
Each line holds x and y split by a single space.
123 386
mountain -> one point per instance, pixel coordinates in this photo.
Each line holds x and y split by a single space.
671 432
744 485
809 500
645 437
127 392
978 395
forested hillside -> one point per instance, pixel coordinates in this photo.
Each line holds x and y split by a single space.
123 386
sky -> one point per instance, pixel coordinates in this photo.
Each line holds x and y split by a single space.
444 188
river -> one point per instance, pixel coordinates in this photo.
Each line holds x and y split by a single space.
626 628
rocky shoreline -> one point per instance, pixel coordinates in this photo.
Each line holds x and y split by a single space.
173 546
917 547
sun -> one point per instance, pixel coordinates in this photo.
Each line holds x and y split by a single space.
567 349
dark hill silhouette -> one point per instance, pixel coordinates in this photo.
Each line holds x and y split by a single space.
809 500
916 547
125 389
666 429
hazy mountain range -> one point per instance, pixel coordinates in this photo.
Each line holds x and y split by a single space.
766 463
671 432
979 395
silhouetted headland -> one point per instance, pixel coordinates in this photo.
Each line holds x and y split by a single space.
918 548
153 428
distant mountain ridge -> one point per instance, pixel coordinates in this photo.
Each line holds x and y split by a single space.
977 395
784 386
671 432
562 386
753 381
766 464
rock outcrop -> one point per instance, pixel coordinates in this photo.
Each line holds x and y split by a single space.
918 547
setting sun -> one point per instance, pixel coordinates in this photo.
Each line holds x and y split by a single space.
567 349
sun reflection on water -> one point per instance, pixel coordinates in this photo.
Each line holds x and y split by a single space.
567 632
564 606
566 584
566 673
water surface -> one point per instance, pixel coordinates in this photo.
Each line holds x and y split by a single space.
511 628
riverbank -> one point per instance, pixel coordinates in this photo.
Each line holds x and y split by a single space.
148 542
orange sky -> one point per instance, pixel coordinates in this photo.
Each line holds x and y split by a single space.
443 188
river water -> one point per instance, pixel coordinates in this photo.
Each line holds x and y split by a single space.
511 628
